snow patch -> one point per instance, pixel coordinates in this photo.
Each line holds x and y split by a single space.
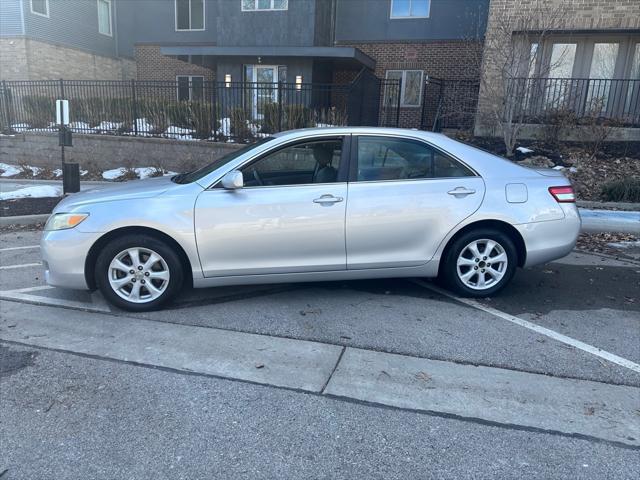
178 133
9 170
20 127
524 150
109 126
40 191
80 127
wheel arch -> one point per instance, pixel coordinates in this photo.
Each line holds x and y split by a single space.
94 251
500 225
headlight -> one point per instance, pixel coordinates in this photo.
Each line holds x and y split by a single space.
64 221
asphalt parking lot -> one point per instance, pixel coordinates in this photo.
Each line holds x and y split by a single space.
341 365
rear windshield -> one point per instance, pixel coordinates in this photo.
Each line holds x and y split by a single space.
190 177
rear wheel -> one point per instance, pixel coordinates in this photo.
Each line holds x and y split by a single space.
138 272
479 263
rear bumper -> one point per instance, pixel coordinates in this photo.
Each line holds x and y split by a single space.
64 253
547 241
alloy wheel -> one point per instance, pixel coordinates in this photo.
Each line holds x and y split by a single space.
482 264
139 275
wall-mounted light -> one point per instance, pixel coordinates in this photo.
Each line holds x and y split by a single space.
227 80
298 82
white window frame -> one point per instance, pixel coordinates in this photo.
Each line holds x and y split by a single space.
190 77
110 34
204 18
38 13
428 15
270 9
404 84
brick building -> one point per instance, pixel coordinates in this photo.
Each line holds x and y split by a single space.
567 56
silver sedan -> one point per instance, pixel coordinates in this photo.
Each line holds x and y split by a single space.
317 204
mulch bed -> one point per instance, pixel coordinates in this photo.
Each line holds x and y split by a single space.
587 172
27 206
600 243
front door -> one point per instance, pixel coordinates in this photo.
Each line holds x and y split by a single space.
404 198
288 218
265 78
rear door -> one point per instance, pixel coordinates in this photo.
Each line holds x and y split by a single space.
404 197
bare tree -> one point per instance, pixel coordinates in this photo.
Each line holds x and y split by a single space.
511 65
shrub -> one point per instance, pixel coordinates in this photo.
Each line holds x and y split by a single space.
625 190
240 124
40 110
270 123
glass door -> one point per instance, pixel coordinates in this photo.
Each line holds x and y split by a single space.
263 88
601 73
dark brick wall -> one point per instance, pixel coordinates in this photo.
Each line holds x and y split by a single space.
450 60
152 65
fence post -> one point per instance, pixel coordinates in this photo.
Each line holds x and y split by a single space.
134 107
214 109
7 98
399 102
279 107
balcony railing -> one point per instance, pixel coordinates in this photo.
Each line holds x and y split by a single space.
536 100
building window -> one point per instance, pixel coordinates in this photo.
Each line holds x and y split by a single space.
410 8
253 5
104 17
190 88
40 7
189 14
411 88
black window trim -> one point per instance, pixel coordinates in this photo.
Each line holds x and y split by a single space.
343 169
353 159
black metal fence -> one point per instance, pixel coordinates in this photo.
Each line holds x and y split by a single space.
241 111
450 104
537 100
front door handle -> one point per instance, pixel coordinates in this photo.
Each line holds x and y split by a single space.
328 199
460 192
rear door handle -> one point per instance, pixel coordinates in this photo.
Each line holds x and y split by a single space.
460 192
328 199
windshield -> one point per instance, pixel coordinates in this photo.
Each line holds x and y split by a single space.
195 175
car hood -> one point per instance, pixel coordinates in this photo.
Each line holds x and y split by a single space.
149 187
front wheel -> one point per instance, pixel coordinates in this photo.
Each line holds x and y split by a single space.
479 263
138 272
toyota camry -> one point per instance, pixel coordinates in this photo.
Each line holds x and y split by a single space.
315 205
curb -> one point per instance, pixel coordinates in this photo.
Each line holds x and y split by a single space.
621 206
24 219
596 221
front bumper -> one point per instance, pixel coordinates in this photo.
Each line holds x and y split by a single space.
550 240
64 253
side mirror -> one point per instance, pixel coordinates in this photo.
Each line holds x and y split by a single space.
233 180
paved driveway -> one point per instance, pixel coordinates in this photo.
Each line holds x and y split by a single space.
388 378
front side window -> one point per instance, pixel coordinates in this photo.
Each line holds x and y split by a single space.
40 7
381 159
411 88
104 17
253 5
190 88
300 164
189 14
410 8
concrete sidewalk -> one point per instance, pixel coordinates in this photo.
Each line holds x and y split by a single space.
573 407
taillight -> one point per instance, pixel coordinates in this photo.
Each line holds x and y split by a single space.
563 194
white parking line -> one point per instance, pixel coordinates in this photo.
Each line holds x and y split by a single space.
11 249
598 352
24 295
24 265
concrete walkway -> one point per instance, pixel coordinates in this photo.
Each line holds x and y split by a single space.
499 396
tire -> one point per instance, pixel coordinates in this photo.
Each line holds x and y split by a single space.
154 281
467 279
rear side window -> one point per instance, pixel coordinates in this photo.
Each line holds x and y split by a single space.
383 158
